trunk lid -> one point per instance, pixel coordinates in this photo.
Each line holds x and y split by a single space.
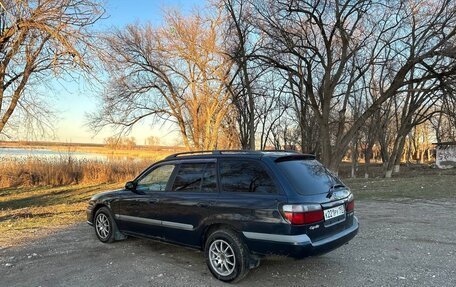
314 185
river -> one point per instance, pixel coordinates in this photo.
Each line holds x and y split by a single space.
24 153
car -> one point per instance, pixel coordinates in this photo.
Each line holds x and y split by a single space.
236 206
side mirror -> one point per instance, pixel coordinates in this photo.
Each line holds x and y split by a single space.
130 185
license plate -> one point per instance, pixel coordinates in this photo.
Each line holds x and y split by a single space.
334 212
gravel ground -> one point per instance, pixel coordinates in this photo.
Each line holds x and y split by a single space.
400 243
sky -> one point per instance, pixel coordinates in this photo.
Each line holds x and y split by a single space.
73 99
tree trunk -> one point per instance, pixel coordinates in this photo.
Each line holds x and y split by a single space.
395 158
367 159
409 152
354 158
326 154
422 156
251 102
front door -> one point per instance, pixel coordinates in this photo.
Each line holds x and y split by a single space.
139 213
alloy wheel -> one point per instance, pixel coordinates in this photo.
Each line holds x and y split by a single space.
222 258
102 226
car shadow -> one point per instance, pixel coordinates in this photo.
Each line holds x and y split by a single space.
193 260
47 199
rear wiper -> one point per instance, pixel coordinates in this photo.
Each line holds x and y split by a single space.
332 188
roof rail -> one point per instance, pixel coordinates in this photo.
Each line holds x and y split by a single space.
190 153
225 151
229 151
280 150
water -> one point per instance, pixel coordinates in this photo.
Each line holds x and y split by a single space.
24 153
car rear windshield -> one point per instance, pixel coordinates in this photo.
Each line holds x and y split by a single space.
309 176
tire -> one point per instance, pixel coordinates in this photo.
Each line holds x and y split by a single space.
227 257
105 227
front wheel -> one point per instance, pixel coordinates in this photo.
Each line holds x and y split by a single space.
104 225
226 255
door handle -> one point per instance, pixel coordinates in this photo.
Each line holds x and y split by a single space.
205 204
154 201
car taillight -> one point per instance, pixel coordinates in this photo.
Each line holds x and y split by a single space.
299 214
350 204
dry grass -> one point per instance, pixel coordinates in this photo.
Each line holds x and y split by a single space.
66 171
427 185
149 153
30 213
41 195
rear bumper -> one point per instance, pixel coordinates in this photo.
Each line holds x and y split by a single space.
297 246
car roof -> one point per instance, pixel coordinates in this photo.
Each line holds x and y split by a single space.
273 154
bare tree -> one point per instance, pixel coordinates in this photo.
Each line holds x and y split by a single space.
114 142
444 122
369 133
39 40
240 45
177 72
339 41
416 108
152 141
272 105
319 45
308 126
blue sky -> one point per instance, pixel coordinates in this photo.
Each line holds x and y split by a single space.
73 99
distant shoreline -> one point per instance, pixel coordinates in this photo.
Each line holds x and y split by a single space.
141 151
36 144
44 143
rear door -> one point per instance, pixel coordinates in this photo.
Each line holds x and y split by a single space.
190 201
139 212
250 196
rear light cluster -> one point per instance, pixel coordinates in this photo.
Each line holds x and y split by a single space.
299 214
350 207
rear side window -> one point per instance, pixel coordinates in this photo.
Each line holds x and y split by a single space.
308 176
196 177
245 176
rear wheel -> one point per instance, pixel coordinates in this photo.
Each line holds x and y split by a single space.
226 255
105 227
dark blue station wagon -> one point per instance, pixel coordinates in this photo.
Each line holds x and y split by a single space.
237 206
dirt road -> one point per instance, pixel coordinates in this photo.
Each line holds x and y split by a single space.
401 243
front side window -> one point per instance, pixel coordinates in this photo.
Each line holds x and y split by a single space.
245 176
196 177
156 180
